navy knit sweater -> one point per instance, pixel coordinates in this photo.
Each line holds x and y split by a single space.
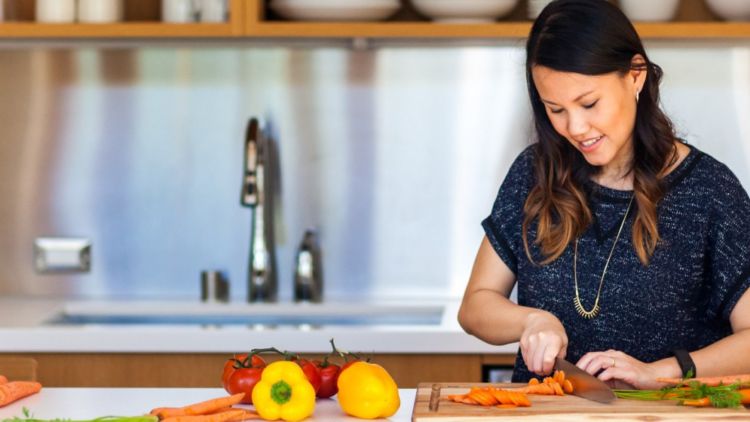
681 300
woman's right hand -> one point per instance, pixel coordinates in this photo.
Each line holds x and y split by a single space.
543 340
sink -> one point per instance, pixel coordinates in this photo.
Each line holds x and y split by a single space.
262 314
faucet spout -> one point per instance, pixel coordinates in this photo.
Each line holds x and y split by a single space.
257 189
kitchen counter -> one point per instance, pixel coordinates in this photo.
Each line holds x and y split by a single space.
89 403
25 327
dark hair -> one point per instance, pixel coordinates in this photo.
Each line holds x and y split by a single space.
592 37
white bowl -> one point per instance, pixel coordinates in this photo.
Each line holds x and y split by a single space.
732 10
464 10
335 10
649 10
535 7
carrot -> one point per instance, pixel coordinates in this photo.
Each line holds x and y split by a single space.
567 387
3 380
521 399
506 406
704 402
483 397
745 393
15 390
201 408
559 376
533 381
213 417
501 396
542 389
247 414
710 381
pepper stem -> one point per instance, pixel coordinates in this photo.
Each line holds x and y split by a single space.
281 392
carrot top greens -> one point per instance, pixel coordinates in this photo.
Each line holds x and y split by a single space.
28 417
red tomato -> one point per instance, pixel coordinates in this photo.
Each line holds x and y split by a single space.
329 376
311 372
231 365
243 380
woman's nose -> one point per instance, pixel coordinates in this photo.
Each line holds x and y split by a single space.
577 125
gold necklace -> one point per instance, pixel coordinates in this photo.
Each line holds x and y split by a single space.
577 300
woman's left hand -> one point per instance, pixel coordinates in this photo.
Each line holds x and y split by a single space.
620 370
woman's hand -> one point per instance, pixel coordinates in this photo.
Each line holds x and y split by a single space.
620 370
543 340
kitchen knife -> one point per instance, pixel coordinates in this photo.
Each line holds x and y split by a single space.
584 384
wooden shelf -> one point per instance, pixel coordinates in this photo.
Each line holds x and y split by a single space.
118 30
388 30
141 21
249 19
672 30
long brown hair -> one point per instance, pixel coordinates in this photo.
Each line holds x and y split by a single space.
591 37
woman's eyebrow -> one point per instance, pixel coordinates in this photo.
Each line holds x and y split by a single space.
576 99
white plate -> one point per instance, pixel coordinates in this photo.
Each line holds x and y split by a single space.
335 10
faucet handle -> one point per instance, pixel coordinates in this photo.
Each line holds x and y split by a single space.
308 274
249 197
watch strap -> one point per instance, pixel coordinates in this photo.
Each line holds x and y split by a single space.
686 363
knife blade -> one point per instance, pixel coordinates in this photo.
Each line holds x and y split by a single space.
584 384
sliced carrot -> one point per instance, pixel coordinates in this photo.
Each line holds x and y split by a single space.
559 376
483 397
3 380
567 387
456 397
558 389
542 389
16 390
548 380
501 396
469 400
521 399
506 406
710 381
201 408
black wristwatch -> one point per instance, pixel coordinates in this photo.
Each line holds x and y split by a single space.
686 363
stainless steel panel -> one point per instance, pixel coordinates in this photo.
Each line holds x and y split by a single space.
394 153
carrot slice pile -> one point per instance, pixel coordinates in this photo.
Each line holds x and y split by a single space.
215 410
556 385
492 396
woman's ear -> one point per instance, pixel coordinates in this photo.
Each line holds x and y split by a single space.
638 72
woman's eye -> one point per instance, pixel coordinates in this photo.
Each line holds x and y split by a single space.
587 106
555 111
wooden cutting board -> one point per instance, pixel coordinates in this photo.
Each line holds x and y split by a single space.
556 408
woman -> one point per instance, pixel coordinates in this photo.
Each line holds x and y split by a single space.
631 249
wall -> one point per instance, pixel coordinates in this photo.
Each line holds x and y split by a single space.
394 153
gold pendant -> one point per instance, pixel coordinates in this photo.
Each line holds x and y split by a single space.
583 312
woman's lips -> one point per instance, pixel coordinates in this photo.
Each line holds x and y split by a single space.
591 144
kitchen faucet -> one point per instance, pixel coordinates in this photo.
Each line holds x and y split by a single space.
257 194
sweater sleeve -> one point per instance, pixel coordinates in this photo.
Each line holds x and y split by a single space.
503 226
728 255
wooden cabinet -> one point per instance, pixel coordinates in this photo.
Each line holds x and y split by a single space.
252 19
204 370
141 20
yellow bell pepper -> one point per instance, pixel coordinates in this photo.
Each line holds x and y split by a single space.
284 392
366 390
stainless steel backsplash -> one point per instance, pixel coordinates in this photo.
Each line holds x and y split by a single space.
394 153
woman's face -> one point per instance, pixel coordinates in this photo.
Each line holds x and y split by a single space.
596 114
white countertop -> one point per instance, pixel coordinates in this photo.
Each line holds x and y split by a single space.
89 403
24 327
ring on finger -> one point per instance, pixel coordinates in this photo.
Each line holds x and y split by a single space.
614 362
